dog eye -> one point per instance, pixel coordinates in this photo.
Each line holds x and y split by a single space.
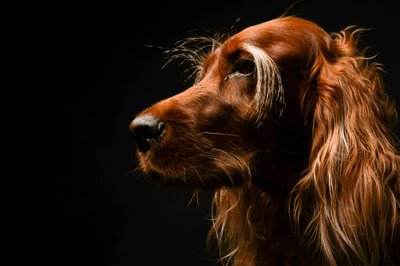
243 67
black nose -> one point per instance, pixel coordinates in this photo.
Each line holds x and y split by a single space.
146 129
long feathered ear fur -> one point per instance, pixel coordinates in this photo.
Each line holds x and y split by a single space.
347 205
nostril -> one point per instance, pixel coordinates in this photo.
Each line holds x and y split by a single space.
149 131
145 130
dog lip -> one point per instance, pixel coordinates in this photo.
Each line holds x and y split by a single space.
154 175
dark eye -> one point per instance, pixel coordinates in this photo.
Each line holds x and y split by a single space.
243 67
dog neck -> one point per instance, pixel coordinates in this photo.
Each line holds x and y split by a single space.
278 171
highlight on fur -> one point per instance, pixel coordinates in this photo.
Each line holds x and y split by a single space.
292 128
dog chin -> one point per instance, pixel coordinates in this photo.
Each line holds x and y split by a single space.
209 182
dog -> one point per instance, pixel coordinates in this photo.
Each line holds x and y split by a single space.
293 130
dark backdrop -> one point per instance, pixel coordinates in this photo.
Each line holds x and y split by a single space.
76 73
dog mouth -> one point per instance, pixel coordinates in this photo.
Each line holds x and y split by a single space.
200 171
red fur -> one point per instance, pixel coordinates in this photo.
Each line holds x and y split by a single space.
292 128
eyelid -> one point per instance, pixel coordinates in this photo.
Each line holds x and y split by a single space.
235 71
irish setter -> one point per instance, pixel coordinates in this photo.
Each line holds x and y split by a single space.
292 128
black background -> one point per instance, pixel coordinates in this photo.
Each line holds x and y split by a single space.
74 74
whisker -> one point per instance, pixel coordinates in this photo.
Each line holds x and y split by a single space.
195 195
219 134
201 179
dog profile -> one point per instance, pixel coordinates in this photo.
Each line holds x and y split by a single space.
292 128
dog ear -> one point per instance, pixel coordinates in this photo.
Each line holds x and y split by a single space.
352 184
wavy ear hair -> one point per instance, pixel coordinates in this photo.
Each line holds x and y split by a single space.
350 194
